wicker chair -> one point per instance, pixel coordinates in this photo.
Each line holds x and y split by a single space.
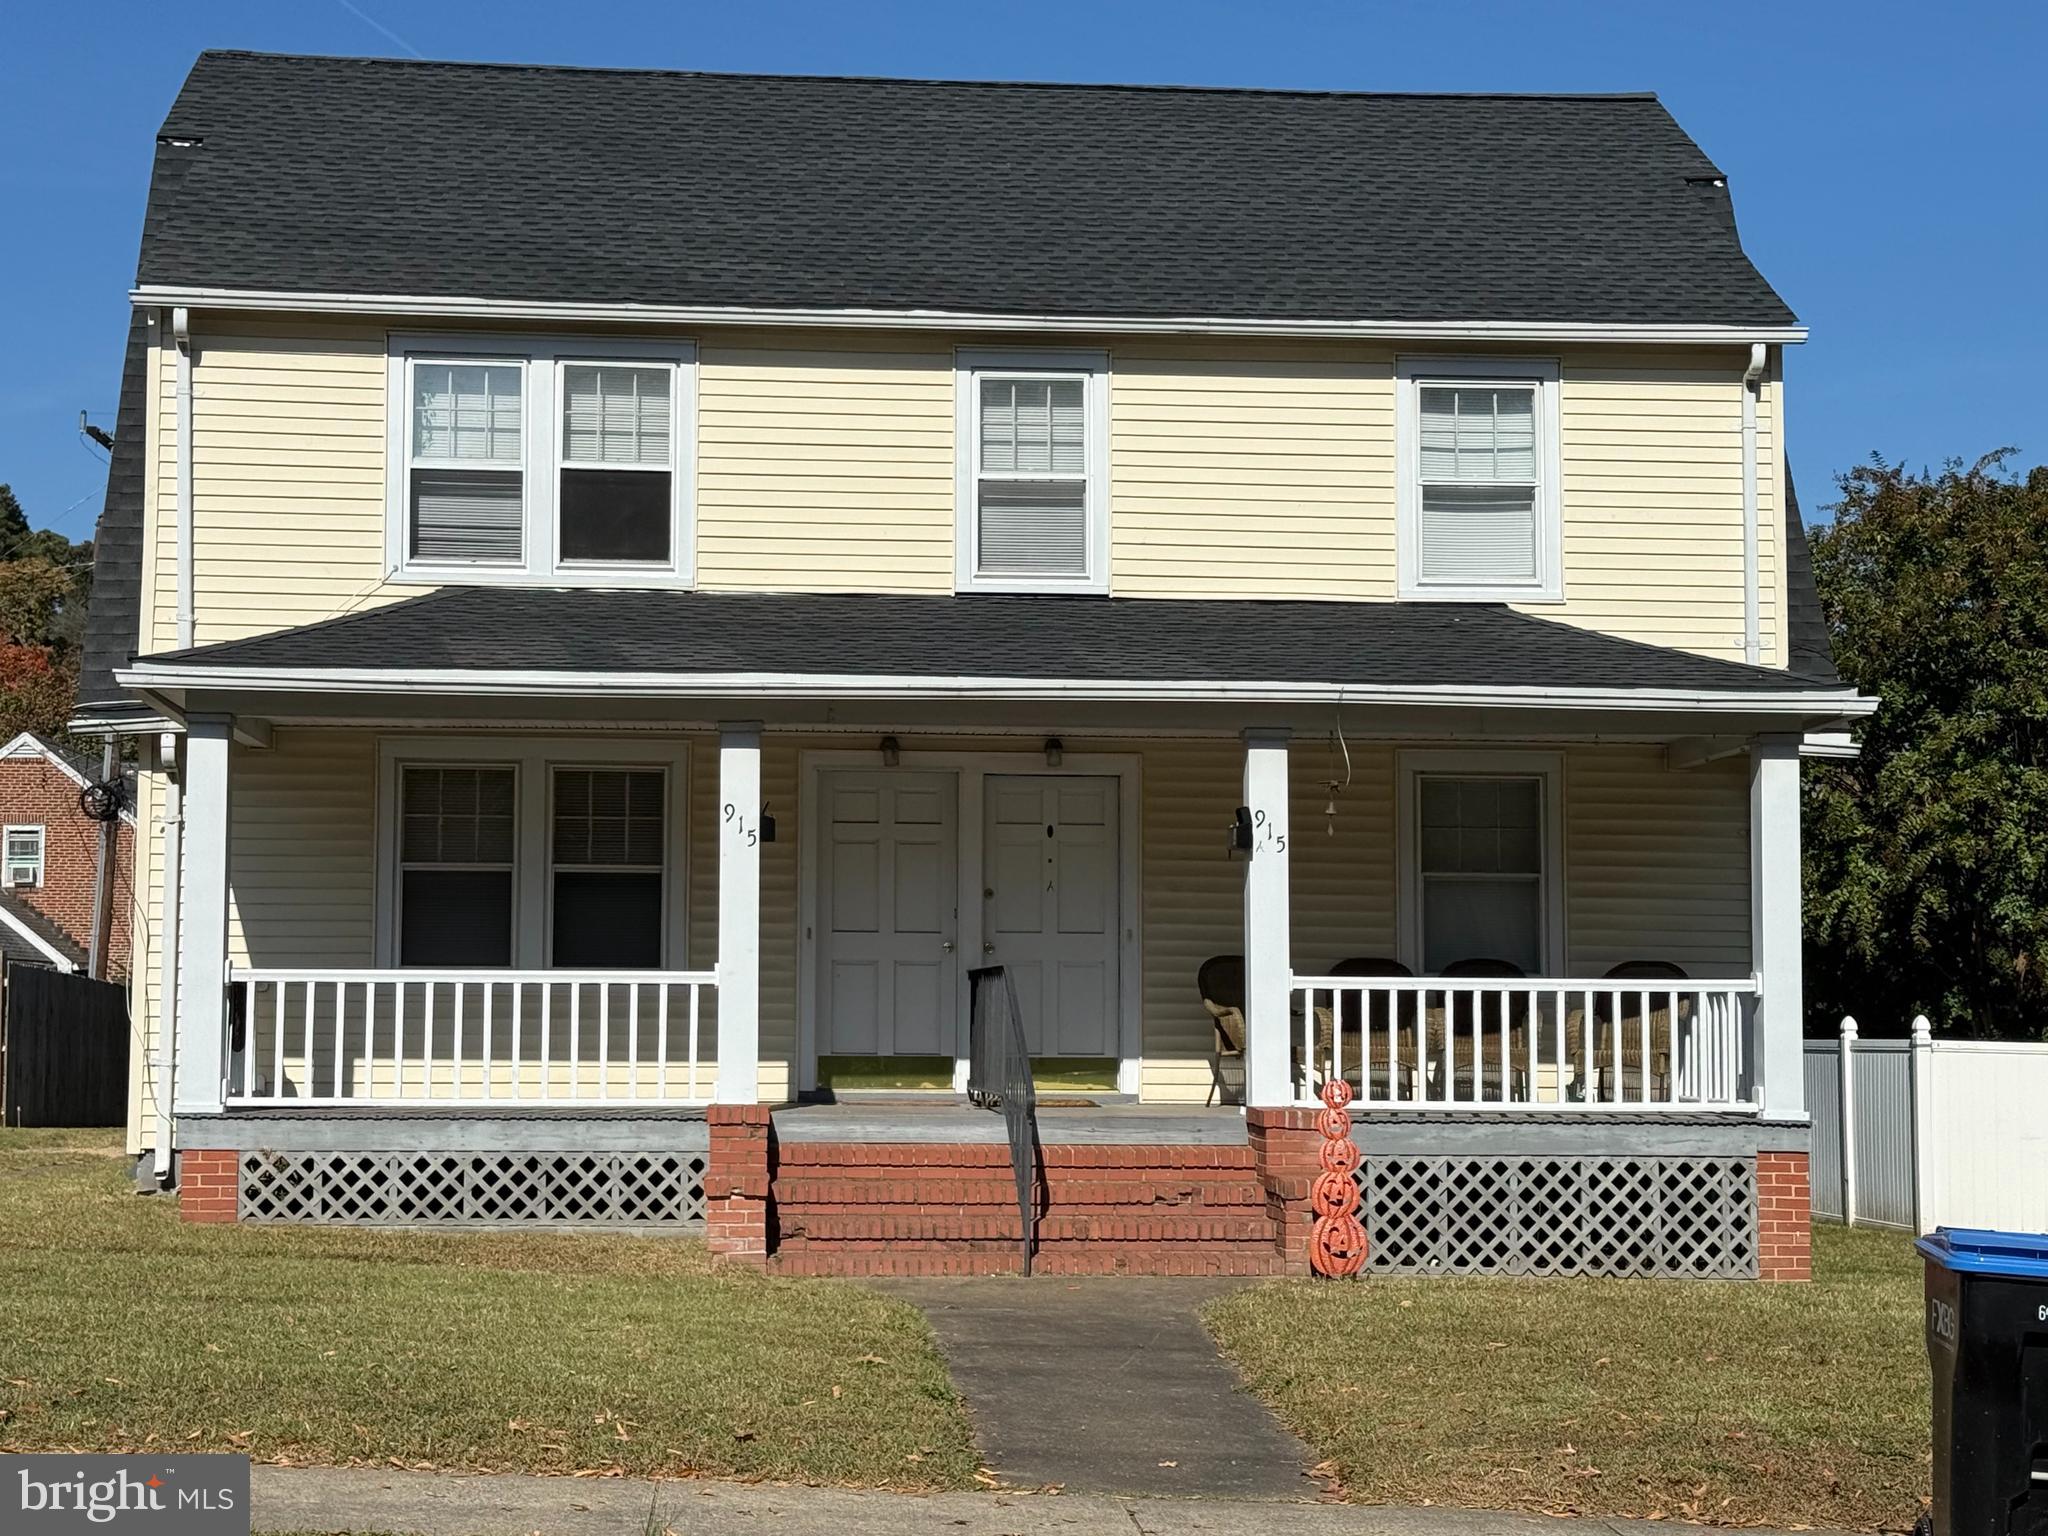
1461 1015
1632 1081
1351 1015
1221 982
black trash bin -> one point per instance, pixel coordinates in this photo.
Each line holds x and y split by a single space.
1987 1341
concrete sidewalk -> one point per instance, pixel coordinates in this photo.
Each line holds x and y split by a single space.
443 1504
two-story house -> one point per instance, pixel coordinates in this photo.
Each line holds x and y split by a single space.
635 584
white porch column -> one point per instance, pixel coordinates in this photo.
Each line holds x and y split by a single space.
203 919
739 913
1774 923
1268 962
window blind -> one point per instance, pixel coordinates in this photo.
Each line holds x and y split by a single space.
1031 496
615 415
1478 480
1481 858
469 515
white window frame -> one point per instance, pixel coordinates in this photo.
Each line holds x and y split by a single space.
669 801
1411 767
41 860
1410 374
535 759
970 366
398 861
541 360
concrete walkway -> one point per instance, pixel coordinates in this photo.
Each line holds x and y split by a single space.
1107 1386
437 1504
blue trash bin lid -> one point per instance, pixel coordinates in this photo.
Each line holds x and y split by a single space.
1978 1251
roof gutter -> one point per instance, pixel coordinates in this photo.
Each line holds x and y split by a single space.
458 308
157 677
1752 577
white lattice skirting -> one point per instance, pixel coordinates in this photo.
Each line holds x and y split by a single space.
475 1189
1687 1217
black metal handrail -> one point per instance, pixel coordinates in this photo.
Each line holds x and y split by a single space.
999 1076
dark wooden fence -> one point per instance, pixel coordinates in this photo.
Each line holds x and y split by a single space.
65 1057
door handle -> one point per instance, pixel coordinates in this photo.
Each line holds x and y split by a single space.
946 945
988 946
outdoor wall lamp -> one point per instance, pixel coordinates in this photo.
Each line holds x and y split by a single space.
892 752
1054 751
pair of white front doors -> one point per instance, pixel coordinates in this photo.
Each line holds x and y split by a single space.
889 897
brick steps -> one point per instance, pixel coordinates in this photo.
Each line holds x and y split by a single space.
814 1227
850 1208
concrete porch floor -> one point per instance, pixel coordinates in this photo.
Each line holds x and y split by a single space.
1111 1120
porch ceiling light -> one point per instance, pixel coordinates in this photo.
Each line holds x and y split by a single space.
892 752
1054 751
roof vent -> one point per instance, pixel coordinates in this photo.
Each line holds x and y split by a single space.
176 141
1706 181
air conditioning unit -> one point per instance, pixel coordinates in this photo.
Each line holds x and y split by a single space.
21 874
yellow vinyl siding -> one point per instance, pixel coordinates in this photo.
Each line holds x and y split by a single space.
1255 473
825 468
826 462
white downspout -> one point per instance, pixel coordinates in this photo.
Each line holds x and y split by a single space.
173 822
181 333
1752 578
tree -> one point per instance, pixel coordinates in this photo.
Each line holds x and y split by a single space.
1927 859
45 582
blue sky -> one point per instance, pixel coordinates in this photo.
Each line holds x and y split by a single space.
1886 159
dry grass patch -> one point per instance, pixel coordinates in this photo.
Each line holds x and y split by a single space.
1720 1401
121 1326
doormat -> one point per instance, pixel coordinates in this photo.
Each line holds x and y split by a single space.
1069 1103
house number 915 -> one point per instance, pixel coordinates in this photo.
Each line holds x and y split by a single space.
739 826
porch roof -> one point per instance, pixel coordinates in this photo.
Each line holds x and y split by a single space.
552 640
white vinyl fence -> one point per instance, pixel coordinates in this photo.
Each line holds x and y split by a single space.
1921 1133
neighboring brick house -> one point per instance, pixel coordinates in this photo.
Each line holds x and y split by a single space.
51 847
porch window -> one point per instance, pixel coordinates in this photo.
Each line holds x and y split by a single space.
1478 488
1032 486
609 840
24 856
456 848
466 481
618 463
1480 848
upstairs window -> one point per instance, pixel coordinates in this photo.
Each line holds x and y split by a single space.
1033 503
1478 492
618 463
466 487
24 856
565 461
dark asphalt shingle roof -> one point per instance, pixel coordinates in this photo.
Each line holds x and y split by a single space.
1806 627
638 186
14 947
113 612
988 635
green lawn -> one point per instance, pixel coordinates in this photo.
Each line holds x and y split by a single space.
1722 1401
121 1327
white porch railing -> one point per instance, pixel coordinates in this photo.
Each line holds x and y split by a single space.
1534 1044
433 1038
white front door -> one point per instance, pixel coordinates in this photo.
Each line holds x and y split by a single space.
887 896
1050 904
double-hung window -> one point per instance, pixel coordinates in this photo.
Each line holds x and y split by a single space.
535 853
456 846
465 490
564 460
1480 855
610 839
24 856
1478 494
1032 449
